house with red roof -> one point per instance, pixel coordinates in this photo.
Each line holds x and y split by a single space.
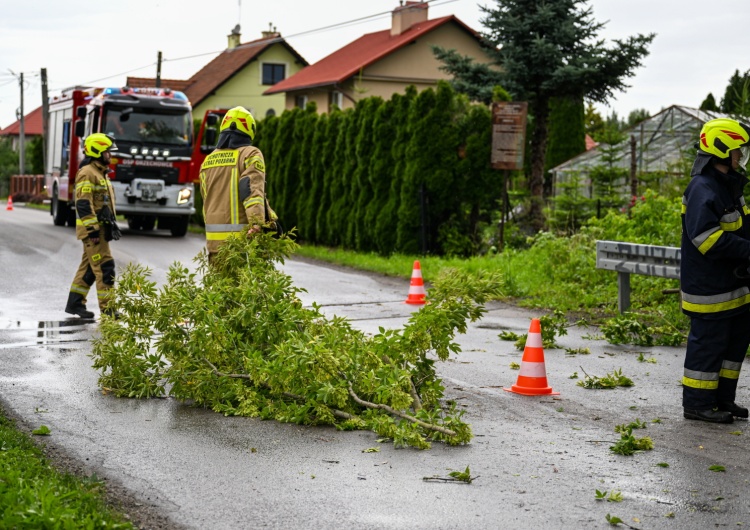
239 76
32 128
384 62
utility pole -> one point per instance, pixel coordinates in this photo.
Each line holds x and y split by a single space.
21 133
158 70
45 116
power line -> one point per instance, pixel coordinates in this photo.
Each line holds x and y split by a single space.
267 41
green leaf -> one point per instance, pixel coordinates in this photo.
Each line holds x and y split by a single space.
42 430
717 468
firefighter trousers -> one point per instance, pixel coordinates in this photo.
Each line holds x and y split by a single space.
713 360
97 265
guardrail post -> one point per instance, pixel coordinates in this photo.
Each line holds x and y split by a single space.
623 291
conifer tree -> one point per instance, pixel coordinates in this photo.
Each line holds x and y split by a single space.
380 170
346 213
298 196
313 198
362 185
280 151
327 156
567 135
427 197
548 48
336 219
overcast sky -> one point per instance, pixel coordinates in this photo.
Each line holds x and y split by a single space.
698 46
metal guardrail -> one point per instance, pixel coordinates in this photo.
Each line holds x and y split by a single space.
631 258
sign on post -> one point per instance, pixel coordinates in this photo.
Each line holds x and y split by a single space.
508 134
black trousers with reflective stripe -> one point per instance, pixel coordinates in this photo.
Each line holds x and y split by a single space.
710 343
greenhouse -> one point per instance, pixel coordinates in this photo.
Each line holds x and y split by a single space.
656 148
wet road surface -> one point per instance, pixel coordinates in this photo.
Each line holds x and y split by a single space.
539 460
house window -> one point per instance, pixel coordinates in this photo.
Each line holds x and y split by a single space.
337 98
273 73
300 101
270 113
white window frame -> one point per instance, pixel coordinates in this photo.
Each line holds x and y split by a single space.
337 98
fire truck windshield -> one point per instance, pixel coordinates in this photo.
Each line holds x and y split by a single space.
152 126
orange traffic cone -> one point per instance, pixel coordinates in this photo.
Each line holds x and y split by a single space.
532 380
416 287
10 203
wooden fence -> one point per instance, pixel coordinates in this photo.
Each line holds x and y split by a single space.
31 184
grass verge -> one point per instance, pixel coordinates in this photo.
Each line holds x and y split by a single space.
35 495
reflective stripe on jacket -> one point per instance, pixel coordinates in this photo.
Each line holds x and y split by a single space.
715 241
93 190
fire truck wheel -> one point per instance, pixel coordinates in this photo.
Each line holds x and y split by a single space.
57 209
179 226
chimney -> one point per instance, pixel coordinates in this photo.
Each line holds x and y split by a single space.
271 33
407 15
233 39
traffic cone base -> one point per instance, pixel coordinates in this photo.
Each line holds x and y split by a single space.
532 379
10 203
416 287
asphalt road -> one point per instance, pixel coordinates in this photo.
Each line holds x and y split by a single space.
539 460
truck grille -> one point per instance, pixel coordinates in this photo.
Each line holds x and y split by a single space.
126 174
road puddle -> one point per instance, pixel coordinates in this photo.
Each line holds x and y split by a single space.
49 333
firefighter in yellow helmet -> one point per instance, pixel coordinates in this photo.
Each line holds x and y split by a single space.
95 226
233 183
714 277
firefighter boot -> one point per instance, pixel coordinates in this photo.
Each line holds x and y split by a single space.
733 408
710 415
111 313
76 306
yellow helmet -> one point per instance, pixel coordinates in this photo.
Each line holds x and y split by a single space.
95 144
720 136
242 120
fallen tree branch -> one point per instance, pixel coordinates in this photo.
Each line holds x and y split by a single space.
398 413
338 413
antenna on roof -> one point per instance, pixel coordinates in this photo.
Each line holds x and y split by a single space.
239 12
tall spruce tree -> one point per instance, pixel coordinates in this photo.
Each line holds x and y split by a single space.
736 100
709 103
548 48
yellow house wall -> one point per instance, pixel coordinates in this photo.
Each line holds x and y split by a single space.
414 64
245 87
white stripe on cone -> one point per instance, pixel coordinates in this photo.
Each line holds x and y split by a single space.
532 370
534 340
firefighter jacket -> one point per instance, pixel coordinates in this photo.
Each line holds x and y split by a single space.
715 242
233 183
93 191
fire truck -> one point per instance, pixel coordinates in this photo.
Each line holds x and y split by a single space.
152 170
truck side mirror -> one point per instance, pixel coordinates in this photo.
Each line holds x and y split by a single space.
80 128
210 136
212 120
81 112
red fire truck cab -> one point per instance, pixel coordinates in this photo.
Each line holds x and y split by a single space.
152 169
